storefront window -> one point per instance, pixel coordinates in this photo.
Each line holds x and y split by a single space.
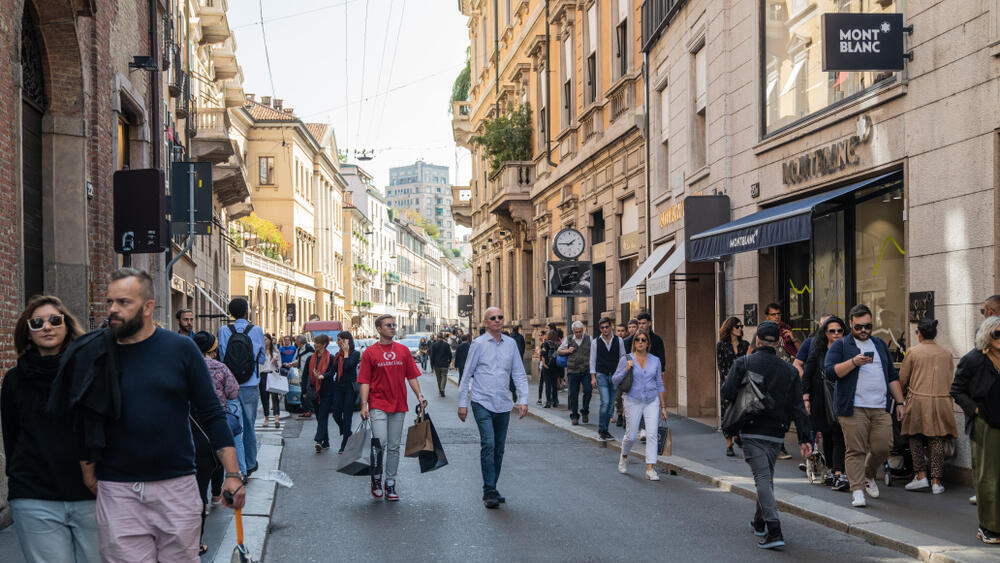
829 275
794 84
879 265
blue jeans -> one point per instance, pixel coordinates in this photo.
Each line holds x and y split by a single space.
54 530
607 389
575 379
492 436
249 395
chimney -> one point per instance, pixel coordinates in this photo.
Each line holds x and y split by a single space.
277 103
289 111
250 97
266 100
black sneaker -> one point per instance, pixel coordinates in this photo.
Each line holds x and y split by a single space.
729 451
842 483
772 540
829 480
758 530
606 436
326 445
318 446
783 453
987 536
491 500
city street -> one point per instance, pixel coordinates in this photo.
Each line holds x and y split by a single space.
565 502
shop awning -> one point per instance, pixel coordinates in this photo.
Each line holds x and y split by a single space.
775 226
628 292
659 282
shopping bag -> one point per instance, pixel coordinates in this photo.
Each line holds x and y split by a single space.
663 441
276 383
418 437
356 459
429 461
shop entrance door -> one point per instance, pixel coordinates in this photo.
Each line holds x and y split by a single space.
795 288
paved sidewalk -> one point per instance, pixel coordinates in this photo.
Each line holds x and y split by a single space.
937 528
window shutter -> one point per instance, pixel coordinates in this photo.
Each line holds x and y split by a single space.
592 29
568 57
665 114
700 78
623 7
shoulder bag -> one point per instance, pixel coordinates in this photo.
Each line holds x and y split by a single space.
748 405
626 384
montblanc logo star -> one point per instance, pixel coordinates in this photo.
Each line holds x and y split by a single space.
389 356
886 28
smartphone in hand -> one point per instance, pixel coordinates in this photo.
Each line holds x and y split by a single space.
871 355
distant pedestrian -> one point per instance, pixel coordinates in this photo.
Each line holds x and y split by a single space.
730 346
621 330
244 363
185 322
493 362
423 350
814 395
515 333
605 352
346 366
803 353
991 308
644 401
138 452
763 436
867 382
633 326
53 510
272 364
386 368
789 345
461 354
926 376
550 371
287 350
440 353
322 378
576 348
977 390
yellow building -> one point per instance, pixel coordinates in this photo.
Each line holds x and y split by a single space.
578 65
297 191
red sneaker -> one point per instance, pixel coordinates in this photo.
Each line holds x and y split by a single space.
376 486
390 491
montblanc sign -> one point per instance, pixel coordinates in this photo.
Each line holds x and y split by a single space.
862 42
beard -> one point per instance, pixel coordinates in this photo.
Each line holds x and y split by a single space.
862 335
127 328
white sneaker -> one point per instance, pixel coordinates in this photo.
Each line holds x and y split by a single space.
917 484
623 465
871 488
937 489
651 474
858 499
972 499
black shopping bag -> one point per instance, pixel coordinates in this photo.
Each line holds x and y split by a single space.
356 459
663 440
429 461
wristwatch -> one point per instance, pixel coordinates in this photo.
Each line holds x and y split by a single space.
234 475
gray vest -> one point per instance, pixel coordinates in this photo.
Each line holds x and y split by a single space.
578 361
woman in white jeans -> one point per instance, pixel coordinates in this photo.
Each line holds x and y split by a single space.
643 401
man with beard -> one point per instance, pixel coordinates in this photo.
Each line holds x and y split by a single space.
148 504
866 378
185 322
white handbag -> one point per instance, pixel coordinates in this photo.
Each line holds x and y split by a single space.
276 383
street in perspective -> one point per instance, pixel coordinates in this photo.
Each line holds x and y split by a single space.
492 280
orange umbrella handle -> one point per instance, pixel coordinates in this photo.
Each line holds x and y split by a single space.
239 526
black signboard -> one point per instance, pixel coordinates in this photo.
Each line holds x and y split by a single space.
290 312
862 42
180 190
465 305
569 278
140 224
921 305
750 314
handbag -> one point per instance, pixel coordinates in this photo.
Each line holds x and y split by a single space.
829 391
748 404
663 440
234 416
276 383
435 459
356 459
418 437
562 361
626 385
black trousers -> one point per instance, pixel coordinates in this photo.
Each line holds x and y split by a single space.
205 467
266 397
343 411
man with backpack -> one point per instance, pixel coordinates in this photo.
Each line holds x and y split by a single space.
241 347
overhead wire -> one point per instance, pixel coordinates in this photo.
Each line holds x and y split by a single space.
381 66
364 53
293 15
392 66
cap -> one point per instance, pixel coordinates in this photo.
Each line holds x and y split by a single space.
769 332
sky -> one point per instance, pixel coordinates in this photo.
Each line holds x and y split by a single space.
396 105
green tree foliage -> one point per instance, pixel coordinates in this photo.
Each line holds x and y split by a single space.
460 90
419 220
507 137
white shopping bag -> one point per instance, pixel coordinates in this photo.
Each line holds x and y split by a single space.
277 383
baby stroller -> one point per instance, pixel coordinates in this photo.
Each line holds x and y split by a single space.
899 464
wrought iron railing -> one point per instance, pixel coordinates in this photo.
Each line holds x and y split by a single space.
656 16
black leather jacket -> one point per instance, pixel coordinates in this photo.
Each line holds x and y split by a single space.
973 379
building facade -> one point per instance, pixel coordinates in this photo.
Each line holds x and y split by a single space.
577 66
423 188
412 305
895 199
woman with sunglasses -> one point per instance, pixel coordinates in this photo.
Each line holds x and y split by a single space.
344 394
643 401
977 390
814 391
730 346
53 510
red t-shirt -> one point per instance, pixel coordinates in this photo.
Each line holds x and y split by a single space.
386 369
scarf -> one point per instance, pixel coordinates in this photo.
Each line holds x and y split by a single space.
339 358
39 371
321 360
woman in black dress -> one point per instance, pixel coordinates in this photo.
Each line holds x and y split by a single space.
551 371
814 391
730 346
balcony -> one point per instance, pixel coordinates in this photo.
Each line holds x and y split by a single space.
461 123
656 16
246 259
510 185
461 205
212 18
621 99
231 186
224 61
211 143
391 278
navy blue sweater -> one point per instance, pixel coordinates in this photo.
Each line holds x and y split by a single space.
162 377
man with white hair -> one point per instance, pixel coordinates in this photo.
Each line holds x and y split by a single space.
576 348
492 362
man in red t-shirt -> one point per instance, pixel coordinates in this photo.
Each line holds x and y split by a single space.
385 369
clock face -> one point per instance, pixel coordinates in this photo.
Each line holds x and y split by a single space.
568 244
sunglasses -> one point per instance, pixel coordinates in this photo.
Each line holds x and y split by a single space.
496 318
642 340
835 330
995 335
38 323
603 327
389 325
867 327
738 327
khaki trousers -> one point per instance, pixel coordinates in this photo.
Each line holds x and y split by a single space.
867 436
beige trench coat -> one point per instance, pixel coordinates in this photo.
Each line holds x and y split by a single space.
926 376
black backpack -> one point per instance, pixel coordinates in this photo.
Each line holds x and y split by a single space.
240 358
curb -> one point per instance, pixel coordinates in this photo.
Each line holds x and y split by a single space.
874 530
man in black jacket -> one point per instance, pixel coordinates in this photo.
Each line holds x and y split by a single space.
763 435
440 354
